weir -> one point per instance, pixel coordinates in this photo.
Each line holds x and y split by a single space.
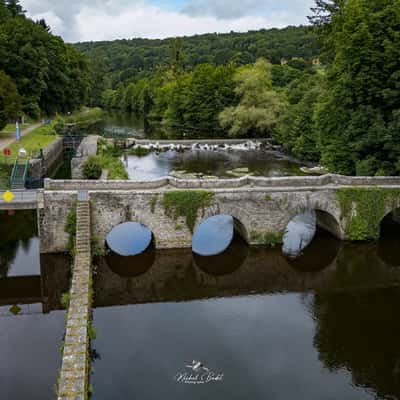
73 380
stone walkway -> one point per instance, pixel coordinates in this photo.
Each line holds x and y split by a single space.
73 381
7 141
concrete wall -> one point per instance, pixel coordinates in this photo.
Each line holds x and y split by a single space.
53 159
87 148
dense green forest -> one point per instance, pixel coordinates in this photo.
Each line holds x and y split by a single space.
39 73
343 113
328 92
121 61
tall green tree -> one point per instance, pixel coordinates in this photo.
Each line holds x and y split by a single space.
10 101
296 129
15 8
50 75
258 111
357 114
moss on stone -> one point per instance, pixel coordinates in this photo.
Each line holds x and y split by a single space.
270 239
364 208
153 203
65 299
186 203
70 228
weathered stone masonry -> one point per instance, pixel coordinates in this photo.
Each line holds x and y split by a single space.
264 206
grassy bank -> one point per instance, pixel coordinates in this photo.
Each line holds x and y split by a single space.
38 139
107 158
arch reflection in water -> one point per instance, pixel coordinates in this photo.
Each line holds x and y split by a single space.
214 235
299 233
321 253
133 266
129 239
226 262
389 242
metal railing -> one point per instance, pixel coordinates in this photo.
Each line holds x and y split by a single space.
21 196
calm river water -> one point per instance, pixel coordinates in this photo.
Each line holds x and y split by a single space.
247 323
31 316
323 326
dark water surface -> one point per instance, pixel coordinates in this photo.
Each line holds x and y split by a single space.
31 316
321 327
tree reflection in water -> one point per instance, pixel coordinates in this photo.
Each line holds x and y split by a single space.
16 229
356 320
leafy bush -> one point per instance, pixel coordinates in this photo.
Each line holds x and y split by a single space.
92 168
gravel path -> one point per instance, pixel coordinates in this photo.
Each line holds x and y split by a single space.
7 141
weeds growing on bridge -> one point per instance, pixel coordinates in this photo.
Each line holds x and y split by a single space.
364 208
270 239
70 228
186 203
153 203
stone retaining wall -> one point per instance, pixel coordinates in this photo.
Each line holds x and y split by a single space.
294 182
53 158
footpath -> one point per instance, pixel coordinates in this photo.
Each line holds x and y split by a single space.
7 141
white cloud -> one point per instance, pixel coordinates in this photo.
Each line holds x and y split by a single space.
152 22
83 20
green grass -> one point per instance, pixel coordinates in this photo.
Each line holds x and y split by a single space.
108 157
9 129
115 167
38 139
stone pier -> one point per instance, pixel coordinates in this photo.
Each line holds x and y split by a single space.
73 380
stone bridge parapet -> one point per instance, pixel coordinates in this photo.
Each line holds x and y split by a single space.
294 182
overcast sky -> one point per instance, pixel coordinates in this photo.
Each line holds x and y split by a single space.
83 20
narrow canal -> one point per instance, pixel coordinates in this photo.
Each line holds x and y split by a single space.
31 316
263 325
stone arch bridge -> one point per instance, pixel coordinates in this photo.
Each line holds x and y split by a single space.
263 206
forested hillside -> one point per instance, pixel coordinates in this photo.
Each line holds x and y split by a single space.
39 73
125 60
344 113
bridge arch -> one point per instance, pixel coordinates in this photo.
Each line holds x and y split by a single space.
326 218
239 223
129 239
389 225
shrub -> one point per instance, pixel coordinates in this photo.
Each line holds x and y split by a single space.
92 168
